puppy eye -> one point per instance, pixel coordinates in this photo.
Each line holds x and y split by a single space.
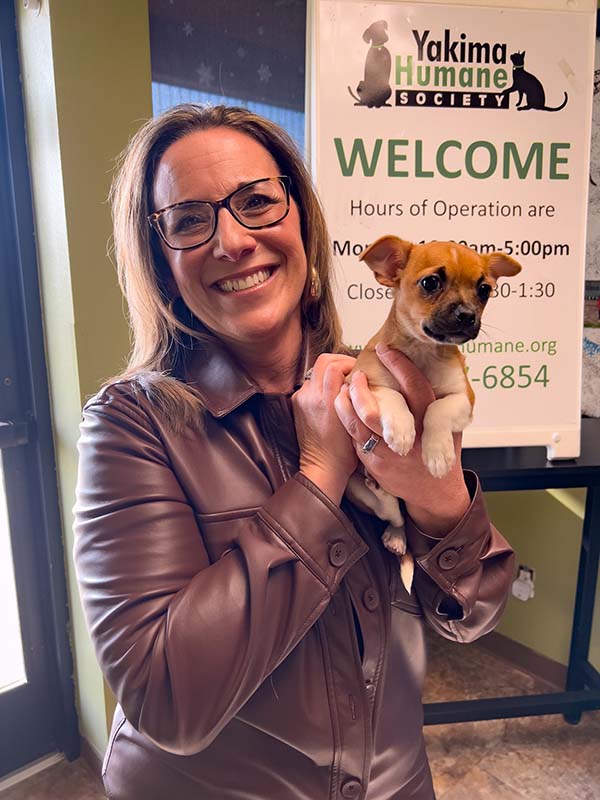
431 283
484 291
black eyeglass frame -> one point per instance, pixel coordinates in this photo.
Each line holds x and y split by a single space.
216 206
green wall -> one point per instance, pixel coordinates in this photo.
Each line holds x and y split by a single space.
86 83
545 530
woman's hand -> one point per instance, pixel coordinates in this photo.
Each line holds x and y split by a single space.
434 504
327 454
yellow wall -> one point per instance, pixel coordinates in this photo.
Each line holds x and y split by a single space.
86 70
545 530
86 79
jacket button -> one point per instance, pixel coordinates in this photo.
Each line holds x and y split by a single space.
370 599
338 553
448 559
351 789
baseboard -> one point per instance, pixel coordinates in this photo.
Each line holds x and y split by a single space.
23 773
91 756
525 659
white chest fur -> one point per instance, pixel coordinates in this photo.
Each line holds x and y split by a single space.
445 374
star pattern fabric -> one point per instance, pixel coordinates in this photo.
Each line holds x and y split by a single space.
251 50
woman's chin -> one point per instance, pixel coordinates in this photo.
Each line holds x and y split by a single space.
262 330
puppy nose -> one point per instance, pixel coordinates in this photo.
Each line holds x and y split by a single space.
465 316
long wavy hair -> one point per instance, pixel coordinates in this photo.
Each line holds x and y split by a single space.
159 326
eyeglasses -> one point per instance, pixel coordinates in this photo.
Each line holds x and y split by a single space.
255 205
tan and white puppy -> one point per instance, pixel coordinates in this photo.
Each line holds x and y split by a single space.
440 292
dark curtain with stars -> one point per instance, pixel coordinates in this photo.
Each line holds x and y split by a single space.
253 50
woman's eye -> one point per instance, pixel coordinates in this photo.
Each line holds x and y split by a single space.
484 291
431 283
256 202
189 222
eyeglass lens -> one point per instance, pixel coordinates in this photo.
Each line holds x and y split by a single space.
254 206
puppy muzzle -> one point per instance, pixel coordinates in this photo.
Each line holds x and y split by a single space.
453 326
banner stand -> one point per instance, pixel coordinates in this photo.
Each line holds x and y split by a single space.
461 122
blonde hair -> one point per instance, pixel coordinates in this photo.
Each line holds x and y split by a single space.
144 274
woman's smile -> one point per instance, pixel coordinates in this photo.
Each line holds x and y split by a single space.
246 281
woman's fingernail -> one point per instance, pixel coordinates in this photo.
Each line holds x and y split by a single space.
381 348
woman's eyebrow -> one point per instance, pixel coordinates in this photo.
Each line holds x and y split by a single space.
239 185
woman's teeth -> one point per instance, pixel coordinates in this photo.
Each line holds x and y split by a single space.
245 283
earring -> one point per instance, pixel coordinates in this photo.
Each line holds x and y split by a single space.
315 283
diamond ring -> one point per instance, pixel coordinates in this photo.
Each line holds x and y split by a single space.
370 444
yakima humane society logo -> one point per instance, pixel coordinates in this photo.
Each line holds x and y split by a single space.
447 71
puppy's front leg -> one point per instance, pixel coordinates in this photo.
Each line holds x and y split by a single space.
397 423
448 415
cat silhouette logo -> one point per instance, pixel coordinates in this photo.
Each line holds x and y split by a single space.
528 87
374 90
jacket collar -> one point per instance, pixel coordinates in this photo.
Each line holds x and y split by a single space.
220 381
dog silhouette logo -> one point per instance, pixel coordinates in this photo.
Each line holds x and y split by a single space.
528 87
374 90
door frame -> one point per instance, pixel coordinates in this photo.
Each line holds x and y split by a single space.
32 491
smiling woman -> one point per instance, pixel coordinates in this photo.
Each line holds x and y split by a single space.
206 154
235 599
217 278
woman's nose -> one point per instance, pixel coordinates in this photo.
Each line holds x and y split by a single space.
231 240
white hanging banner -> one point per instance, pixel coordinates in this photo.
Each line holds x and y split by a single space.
469 123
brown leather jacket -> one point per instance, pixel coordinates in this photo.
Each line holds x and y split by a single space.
258 638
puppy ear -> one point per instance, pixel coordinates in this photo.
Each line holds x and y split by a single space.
368 35
387 257
501 265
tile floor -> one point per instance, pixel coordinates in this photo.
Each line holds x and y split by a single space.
531 758
62 781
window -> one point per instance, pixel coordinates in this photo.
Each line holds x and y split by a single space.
248 53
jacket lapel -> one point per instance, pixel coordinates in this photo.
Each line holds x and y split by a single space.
220 381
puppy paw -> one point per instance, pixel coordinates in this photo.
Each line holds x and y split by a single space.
394 539
399 433
438 454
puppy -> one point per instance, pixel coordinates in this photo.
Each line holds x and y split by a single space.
440 292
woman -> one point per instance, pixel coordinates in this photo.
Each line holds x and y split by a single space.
248 619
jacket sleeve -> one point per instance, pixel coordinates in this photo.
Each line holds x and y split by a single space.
183 642
462 580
